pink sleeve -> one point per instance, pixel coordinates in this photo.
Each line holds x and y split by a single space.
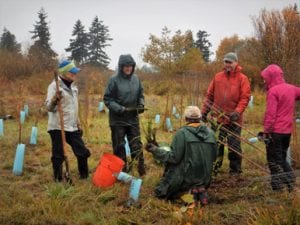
271 112
297 93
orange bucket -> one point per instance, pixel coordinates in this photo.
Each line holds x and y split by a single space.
108 165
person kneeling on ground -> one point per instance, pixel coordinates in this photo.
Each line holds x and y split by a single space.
189 161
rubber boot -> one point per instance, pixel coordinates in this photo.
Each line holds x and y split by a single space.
57 172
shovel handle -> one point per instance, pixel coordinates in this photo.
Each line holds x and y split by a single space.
62 128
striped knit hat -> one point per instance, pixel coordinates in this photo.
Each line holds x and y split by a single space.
67 66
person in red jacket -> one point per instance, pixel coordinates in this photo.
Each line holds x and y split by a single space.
278 125
227 97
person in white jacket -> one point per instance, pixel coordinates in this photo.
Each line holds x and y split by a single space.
68 95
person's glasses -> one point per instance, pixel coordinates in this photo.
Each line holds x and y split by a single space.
227 62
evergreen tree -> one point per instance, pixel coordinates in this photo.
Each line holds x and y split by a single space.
203 44
99 36
79 45
8 42
40 52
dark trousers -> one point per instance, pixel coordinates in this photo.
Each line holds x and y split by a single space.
232 133
281 172
132 132
81 152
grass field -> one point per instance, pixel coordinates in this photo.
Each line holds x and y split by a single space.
34 198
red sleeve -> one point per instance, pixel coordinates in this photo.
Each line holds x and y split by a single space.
244 96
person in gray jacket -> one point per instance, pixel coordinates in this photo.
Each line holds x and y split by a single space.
68 95
125 99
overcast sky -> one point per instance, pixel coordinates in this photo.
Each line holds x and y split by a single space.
131 21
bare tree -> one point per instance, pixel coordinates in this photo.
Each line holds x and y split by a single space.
279 34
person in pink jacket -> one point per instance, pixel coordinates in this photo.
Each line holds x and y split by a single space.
278 125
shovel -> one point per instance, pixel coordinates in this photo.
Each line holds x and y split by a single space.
132 109
63 135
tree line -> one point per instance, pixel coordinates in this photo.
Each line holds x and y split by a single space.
276 40
84 47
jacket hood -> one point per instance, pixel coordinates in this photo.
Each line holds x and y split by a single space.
202 132
272 75
125 60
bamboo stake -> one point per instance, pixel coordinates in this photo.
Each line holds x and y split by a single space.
243 156
245 129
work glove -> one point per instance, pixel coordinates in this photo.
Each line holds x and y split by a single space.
265 137
234 116
140 108
150 147
125 110
57 97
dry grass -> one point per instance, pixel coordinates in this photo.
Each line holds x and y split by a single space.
35 199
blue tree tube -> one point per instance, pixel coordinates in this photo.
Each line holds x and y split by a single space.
157 118
33 136
250 104
26 109
177 115
22 116
124 177
1 127
253 140
173 110
101 106
135 188
168 124
19 160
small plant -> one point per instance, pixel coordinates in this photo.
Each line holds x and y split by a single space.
216 126
150 133
58 191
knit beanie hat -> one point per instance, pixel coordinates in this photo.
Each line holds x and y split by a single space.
192 112
67 66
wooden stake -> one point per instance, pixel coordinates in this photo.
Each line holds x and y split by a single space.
63 135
